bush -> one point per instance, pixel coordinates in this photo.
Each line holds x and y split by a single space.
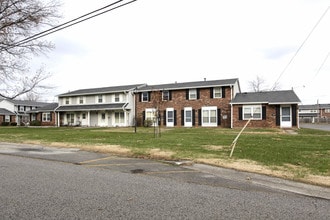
35 123
5 123
13 123
148 123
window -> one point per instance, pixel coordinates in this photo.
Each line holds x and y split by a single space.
217 92
81 100
7 118
166 95
100 99
67 101
21 109
327 110
252 111
70 118
145 97
150 116
46 116
84 116
117 99
209 116
119 117
103 116
192 93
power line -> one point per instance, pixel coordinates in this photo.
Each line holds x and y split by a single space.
70 23
302 44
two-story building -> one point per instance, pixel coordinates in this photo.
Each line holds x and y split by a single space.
202 103
97 107
16 110
314 113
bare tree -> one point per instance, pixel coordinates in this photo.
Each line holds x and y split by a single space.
259 84
19 20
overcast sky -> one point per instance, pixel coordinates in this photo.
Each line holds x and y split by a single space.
166 41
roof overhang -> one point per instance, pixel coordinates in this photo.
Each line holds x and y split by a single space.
95 107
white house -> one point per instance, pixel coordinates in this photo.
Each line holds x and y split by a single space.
98 107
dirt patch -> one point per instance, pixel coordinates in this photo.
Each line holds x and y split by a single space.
160 154
288 171
215 147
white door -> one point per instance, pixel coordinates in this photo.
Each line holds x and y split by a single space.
102 119
188 117
286 121
170 117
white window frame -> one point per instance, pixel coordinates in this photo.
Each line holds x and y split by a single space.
217 92
252 111
7 118
117 97
46 116
145 97
67 101
99 98
21 109
192 94
210 116
119 117
81 100
165 95
151 114
327 110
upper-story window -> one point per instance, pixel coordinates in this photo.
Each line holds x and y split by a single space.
145 97
21 109
100 99
192 93
327 110
81 100
117 97
217 92
166 95
67 101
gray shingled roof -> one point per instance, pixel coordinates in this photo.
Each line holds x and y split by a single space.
314 107
46 108
189 85
90 107
4 111
112 89
270 97
27 102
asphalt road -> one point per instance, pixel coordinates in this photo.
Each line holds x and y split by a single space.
37 182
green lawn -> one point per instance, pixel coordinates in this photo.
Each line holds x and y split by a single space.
308 150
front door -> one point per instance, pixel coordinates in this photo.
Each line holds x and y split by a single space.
286 120
170 117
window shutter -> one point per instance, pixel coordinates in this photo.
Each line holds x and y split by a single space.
211 93
143 116
219 116
164 117
51 116
193 117
149 96
278 115
140 96
263 112
240 113
223 92
294 115
170 95
199 116
175 122
182 117
197 91
187 94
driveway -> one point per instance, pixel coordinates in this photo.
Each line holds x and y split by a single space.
324 127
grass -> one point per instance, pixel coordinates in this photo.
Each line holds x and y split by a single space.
307 152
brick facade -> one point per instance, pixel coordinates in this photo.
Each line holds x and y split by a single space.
179 102
52 122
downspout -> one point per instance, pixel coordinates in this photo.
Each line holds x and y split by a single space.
57 117
231 107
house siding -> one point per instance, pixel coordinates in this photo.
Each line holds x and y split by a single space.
178 101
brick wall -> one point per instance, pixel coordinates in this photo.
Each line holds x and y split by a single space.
179 102
47 123
269 122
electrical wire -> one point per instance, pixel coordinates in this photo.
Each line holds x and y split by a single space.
69 23
302 44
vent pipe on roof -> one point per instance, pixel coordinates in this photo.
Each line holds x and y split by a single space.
204 79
